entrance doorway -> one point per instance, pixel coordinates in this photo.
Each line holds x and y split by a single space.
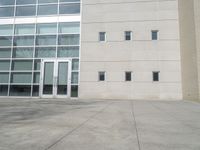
55 80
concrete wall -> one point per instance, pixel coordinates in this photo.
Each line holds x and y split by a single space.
141 56
190 47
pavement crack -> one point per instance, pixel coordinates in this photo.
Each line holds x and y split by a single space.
134 120
78 127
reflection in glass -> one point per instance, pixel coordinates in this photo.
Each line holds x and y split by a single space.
5 52
69 27
19 77
74 91
26 11
22 2
22 29
6 11
6 30
47 1
4 77
22 65
46 40
48 78
20 90
68 51
25 52
36 77
69 9
47 9
35 90
37 64
7 2
42 52
75 64
74 78
5 41
3 90
4 65
23 41
62 78
70 39
50 28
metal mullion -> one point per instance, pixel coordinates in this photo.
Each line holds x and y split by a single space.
68 45
57 37
33 56
45 4
23 46
24 5
22 58
69 2
36 11
79 58
46 33
58 13
5 6
22 71
12 48
23 35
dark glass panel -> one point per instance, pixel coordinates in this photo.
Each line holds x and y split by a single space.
20 90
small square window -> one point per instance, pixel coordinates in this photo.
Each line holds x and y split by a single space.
128 35
102 76
154 34
102 36
128 76
156 76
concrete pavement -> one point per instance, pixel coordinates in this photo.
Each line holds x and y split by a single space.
99 125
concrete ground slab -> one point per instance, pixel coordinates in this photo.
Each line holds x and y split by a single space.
36 124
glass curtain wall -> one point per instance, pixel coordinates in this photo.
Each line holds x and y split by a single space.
24 8
22 46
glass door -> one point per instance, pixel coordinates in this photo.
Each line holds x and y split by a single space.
55 79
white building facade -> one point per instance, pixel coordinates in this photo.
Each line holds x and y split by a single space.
150 55
90 49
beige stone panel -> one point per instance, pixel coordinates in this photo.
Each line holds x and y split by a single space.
170 66
171 91
170 77
123 15
128 51
120 1
104 90
188 50
170 55
141 31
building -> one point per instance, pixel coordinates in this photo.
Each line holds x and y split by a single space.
102 49
137 39
39 48
190 47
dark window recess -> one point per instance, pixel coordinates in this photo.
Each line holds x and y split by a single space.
128 35
74 91
102 36
156 76
128 76
3 90
154 35
101 76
